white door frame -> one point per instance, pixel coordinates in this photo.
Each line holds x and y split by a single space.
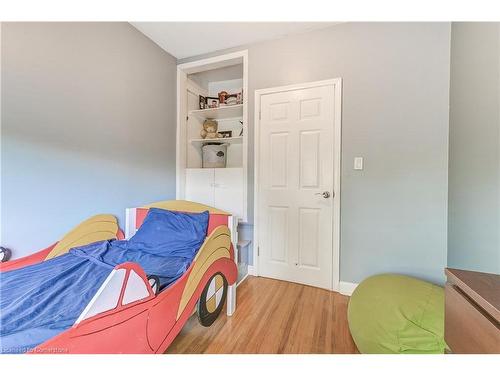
337 124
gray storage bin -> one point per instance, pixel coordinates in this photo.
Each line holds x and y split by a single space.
214 155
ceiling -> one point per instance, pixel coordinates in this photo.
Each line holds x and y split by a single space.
186 39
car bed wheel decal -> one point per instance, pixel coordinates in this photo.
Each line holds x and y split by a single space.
212 299
215 291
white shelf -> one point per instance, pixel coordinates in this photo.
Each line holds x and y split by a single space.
243 243
232 140
224 112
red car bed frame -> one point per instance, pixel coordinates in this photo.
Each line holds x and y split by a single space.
127 314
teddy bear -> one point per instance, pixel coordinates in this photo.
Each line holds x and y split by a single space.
209 130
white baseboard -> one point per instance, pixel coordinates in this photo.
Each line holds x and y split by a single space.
243 279
251 271
347 288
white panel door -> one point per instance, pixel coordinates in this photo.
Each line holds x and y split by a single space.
296 179
200 185
228 190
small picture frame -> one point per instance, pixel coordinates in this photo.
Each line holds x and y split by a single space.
203 102
222 97
212 102
226 134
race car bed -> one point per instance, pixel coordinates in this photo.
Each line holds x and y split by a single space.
122 296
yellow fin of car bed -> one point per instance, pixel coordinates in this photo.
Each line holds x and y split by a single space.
217 245
185 206
96 228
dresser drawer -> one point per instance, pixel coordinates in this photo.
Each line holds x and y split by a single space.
468 328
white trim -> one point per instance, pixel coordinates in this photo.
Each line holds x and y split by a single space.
298 86
220 61
245 136
231 299
243 279
251 269
336 182
337 84
180 154
232 222
130 216
346 288
256 161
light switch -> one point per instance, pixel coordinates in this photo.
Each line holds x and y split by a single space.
358 163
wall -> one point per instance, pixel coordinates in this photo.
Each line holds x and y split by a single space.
222 74
88 126
395 115
474 174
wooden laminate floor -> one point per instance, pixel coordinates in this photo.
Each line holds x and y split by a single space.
273 316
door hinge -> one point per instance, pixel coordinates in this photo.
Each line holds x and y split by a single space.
187 118
260 115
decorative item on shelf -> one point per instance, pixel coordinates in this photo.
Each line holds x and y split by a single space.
212 102
226 134
222 97
231 100
226 99
209 130
203 102
214 155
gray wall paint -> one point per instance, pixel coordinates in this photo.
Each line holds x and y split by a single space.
88 126
395 114
474 174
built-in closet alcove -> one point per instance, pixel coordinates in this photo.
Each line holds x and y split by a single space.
214 90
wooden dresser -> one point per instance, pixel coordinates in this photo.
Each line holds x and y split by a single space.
472 311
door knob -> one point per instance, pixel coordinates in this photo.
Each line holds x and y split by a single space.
324 194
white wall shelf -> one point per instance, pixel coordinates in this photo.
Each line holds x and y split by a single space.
232 140
219 113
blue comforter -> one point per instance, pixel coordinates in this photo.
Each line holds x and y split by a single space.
40 301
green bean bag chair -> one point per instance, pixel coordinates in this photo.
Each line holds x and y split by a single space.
397 314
